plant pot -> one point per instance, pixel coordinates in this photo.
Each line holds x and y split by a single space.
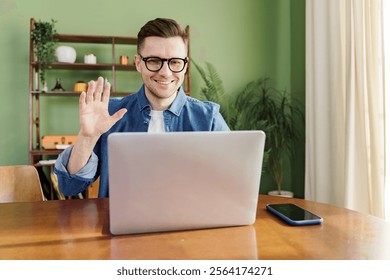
282 193
66 54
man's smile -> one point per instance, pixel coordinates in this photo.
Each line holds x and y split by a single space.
163 82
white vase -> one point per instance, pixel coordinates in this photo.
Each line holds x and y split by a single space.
66 54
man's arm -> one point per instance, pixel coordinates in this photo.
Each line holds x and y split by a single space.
94 121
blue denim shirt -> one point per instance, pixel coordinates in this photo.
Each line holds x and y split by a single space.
185 114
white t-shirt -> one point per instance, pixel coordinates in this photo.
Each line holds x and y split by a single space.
156 121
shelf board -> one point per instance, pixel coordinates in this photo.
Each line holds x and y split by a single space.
72 93
84 66
96 39
44 152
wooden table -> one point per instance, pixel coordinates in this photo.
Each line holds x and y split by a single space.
79 229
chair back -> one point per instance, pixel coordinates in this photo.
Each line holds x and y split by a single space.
20 183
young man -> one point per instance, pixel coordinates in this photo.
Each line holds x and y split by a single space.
160 105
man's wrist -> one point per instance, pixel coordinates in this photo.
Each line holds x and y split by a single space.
81 152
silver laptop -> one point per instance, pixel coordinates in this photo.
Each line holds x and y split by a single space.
183 180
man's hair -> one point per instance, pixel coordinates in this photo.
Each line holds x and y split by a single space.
161 27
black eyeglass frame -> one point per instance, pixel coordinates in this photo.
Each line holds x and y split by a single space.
168 60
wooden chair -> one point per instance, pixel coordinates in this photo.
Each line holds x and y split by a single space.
54 181
91 192
20 183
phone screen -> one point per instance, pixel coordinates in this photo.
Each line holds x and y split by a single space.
294 214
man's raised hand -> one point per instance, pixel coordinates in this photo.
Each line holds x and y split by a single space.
93 105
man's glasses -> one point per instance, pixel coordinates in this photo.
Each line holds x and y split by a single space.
154 64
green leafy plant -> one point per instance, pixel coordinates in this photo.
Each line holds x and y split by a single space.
43 34
260 106
213 89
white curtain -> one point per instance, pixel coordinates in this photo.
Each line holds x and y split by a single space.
345 144
386 33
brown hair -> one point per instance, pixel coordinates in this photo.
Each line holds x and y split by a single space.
161 27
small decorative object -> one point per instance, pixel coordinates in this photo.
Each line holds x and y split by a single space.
124 59
58 86
36 80
90 59
80 86
44 89
66 54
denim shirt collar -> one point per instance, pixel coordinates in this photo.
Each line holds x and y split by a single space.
175 108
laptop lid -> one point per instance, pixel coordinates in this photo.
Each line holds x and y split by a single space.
183 180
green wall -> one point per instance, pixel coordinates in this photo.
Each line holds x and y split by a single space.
244 40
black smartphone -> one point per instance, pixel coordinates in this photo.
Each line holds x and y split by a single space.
294 214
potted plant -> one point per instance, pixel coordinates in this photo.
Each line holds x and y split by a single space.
214 91
43 34
260 106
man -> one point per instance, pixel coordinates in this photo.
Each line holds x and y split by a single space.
160 105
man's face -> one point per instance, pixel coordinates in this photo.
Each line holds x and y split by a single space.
161 86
